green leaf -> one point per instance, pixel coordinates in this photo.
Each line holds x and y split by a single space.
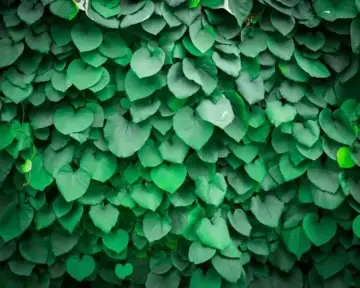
203 37
333 263
15 93
211 280
313 41
229 269
281 47
154 25
155 226
171 280
82 75
319 232
69 121
86 36
14 220
278 113
268 211
213 234
116 241
325 177
228 63
306 133
11 52
211 191
191 129
125 138
219 114
64 9
289 170
178 84
169 177
282 22
26 167
141 15
104 216
38 178
34 250
54 160
113 45
106 9
72 185
332 10
296 241
240 9
240 222
62 242
293 72
315 68
80 268
337 126
21 267
356 226
147 61
199 254
253 42
174 150
100 165
252 90
137 88
203 72
344 158
71 220
148 197
122 271
256 170
30 12
355 35
149 155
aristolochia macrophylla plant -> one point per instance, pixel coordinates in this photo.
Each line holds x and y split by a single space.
170 144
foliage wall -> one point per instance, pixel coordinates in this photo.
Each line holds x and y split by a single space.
179 143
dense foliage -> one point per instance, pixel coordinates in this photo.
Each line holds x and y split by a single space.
178 143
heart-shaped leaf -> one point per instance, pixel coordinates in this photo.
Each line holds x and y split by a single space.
191 129
122 271
156 226
211 191
116 241
267 212
169 177
82 75
199 254
279 114
215 235
86 36
148 197
203 37
146 62
125 138
80 268
319 232
68 121
219 114
337 126
72 185
252 90
104 217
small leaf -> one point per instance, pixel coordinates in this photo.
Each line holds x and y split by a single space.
80 268
344 158
27 166
155 226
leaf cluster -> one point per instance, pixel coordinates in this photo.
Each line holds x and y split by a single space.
179 143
